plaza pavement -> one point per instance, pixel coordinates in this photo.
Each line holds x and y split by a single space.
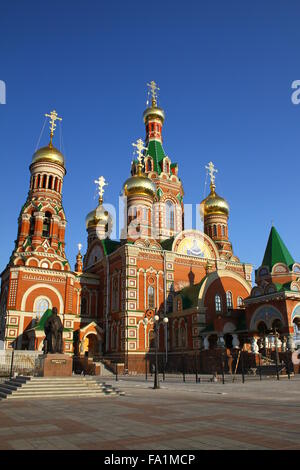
254 415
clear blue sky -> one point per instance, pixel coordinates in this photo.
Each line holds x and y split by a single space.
225 70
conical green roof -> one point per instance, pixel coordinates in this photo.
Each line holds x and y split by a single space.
276 251
156 151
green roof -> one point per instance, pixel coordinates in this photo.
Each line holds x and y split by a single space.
109 245
167 243
190 295
156 151
276 251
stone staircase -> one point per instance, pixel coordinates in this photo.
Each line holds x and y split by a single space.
23 387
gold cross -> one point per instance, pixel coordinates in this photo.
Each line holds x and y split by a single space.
100 182
53 117
153 90
139 149
211 170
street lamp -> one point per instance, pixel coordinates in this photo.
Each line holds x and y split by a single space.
156 379
166 321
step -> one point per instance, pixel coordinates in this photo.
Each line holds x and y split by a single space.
34 393
54 396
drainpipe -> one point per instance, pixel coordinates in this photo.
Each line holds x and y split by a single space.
165 285
107 304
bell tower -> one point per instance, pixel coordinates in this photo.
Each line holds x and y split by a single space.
168 207
215 210
42 221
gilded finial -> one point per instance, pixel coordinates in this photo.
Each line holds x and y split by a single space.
100 182
139 151
79 245
153 90
212 170
53 116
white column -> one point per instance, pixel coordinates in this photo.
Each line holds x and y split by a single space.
145 293
157 290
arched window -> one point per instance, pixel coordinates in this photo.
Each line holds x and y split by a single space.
46 224
115 293
239 301
83 306
50 182
223 230
170 215
151 297
229 299
38 181
31 225
44 181
176 337
214 230
40 307
182 337
218 303
132 213
149 165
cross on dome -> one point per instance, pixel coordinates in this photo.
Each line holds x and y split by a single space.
211 170
153 90
139 149
100 182
53 116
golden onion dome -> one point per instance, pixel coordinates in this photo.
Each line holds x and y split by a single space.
139 185
48 154
214 204
98 216
154 112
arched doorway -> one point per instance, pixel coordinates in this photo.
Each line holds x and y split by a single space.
93 345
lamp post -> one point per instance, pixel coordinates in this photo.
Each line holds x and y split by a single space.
156 379
166 321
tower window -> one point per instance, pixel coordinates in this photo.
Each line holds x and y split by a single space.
229 299
46 224
50 182
44 181
149 166
170 215
223 230
218 304
214 230
151 297
38 181
239 301
31 227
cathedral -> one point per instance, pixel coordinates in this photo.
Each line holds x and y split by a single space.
184 288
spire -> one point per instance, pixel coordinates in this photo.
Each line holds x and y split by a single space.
79 265
154 118
53 116
276 251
